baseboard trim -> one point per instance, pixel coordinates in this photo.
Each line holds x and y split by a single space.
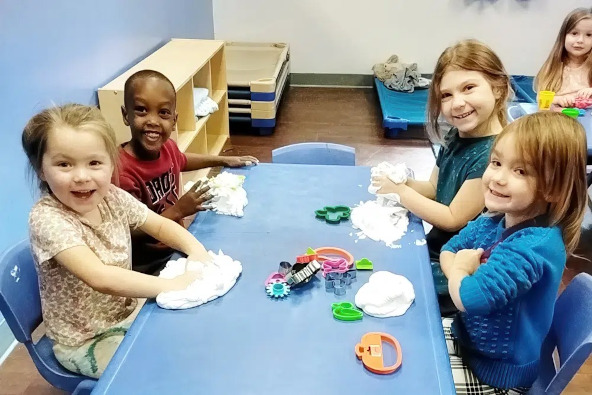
7 340
336 80
7 352
332 80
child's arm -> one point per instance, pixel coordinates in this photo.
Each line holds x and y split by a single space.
464 241
196 198
82 262
188 204
175 236
426 188
456 267
511 270
564 101
198 161
466 205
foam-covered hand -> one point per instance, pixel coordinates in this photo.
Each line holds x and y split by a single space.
194 200
199 256
385 185
186 279
240 161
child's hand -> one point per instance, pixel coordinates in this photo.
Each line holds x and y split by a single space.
186 279
200 256
194 200
468 261
585 93
240 161
385 184
564 101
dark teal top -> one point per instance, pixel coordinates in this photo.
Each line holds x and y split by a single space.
459 160
462 159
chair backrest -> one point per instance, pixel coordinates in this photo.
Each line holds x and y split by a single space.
20 302
315 154
571 334
515 112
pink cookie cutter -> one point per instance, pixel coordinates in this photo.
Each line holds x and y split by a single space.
274 278
336 265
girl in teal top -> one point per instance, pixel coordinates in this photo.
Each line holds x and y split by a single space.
470 88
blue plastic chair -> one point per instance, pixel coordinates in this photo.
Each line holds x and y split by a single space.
571 333
315 154
515 112
20 304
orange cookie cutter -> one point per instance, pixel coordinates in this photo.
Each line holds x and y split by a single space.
325 253
306 258
369 350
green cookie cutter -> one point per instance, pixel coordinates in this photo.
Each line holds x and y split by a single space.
333 214
345 311
364 264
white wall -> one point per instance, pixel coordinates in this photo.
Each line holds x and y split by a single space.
349 36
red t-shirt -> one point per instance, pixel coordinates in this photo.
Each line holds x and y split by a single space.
156 184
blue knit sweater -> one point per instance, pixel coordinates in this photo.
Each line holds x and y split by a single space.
509 300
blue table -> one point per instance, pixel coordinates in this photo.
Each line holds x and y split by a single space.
245 342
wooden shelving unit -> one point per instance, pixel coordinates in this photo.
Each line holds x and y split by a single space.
187 63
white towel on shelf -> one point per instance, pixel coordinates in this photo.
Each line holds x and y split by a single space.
385 294
218 277
202 103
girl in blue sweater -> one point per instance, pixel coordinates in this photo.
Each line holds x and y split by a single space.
504 268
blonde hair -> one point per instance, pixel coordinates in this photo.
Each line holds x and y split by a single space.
470 55
550 76
75 116
555 146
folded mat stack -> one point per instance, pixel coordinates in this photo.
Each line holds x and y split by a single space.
257 74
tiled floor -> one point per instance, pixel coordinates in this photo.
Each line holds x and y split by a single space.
346 116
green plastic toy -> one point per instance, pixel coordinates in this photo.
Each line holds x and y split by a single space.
333 214
345 311
364 264
571 112
310 251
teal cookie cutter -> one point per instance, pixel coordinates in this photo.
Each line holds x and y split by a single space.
345 311
333 214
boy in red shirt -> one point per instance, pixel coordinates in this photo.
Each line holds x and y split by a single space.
151 163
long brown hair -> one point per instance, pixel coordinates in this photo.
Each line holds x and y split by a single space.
550 76
76 116
470 55
555 146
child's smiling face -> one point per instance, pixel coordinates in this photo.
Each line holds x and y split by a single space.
77 168
468 100
151 116
510 183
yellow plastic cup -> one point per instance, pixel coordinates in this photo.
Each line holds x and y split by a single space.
545 100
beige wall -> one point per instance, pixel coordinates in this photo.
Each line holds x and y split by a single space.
349 36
